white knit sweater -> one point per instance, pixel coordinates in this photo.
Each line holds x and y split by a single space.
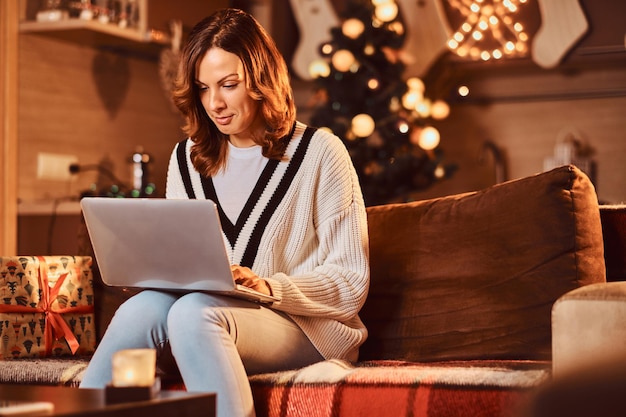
311 245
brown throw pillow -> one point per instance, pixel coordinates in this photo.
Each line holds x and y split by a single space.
474 275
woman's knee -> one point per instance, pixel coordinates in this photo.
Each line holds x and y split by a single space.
195 310
141 321
145 308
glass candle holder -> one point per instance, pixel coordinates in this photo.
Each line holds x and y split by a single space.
134 368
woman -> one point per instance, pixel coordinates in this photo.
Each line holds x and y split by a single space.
292 216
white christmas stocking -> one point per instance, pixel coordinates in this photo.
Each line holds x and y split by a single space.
563 23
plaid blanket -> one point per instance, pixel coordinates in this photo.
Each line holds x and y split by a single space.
340 389
66 371
389 388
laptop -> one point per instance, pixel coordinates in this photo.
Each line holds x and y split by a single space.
165 244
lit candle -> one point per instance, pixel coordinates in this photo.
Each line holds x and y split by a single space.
134 368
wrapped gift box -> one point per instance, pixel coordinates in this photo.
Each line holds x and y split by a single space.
46 306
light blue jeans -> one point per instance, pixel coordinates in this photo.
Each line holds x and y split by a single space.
215 341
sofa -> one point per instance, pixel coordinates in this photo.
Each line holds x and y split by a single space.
459 311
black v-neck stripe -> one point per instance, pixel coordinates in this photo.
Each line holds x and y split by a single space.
252 247
231 230
209 192
181 156
259 187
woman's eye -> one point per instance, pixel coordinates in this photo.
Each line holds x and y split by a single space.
230 86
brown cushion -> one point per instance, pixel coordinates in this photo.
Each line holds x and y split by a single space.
474 276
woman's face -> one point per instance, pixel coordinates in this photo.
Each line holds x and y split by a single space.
221 80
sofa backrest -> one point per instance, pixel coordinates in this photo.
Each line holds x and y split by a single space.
474 275
614 234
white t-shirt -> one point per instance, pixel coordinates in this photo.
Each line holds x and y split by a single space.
234 184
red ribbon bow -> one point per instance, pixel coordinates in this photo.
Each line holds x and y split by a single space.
55 327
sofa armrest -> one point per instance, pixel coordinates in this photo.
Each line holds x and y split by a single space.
589 327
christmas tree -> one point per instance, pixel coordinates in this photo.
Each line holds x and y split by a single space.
382 118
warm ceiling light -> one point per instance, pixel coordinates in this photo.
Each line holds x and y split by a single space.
342 60
363 125
386 12
415 84
439 110
319 68
429 138
352 28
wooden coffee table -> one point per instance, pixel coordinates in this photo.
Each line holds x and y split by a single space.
76 402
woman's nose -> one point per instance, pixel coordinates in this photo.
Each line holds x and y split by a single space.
215 101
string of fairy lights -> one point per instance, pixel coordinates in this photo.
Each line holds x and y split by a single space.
488 29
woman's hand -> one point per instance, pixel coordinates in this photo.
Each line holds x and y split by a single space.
244 276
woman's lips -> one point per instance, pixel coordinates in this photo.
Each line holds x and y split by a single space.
223 120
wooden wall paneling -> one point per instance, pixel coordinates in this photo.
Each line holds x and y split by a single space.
189 12
526 132
97 103
8 126
94 104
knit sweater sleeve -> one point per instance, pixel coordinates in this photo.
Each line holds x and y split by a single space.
336 285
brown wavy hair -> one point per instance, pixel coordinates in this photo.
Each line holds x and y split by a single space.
267 79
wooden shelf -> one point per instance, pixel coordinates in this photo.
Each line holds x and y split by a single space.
101 35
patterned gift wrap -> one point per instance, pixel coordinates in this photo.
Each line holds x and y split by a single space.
46 306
